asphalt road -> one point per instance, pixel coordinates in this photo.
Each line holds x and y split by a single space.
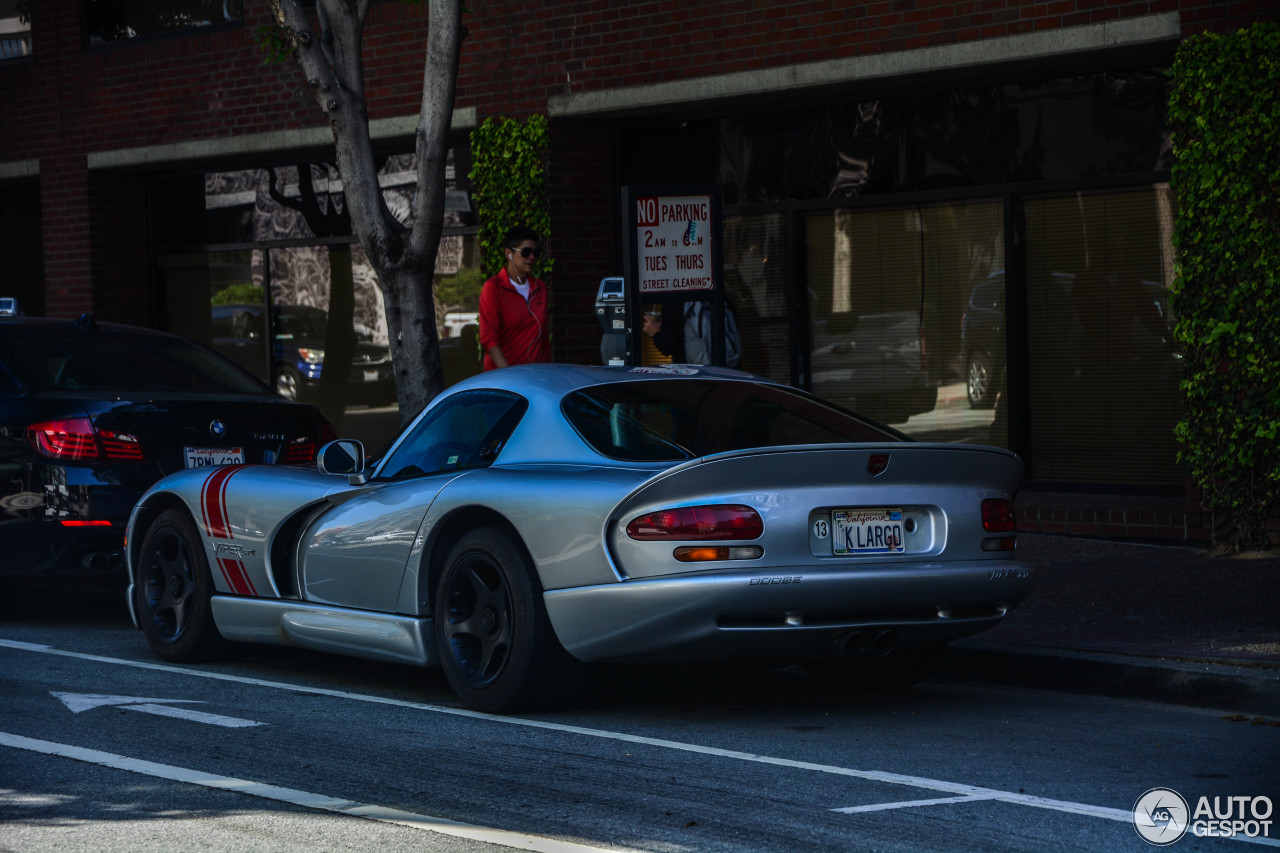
104 747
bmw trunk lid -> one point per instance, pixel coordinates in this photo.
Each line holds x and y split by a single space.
176 433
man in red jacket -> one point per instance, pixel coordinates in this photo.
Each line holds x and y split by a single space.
513 307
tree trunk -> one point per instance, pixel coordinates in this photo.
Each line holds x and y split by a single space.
339 338
403 258
415 345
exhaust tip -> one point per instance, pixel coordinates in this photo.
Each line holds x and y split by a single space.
884 642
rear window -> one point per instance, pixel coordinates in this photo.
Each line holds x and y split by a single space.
673 419
99 361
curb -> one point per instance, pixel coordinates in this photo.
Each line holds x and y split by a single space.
1200 684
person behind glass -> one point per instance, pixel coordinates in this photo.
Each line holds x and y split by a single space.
513 306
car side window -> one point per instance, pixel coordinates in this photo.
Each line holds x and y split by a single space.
468 430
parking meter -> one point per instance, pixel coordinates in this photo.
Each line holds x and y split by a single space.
611 310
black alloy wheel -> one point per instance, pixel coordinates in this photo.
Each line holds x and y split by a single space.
496 643
173 590
478 629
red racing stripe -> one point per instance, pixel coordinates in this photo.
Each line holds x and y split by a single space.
213 502
236 577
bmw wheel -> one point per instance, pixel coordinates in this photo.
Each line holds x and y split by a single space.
497 646
173 589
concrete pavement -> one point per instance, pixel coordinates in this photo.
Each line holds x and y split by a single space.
1169 623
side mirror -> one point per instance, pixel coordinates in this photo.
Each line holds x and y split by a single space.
345 456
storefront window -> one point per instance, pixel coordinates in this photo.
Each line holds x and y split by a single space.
893 324
1103 368
307 296
112 20
755 272
15 29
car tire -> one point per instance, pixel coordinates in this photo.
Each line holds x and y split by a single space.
496 643
288 382
173 590
980 380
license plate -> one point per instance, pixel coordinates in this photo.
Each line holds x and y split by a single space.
211 457
371 376
867 531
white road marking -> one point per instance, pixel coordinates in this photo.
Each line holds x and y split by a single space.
941 785
80 702
412 820
911 804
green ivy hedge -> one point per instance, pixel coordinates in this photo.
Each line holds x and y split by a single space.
509 185
1224 114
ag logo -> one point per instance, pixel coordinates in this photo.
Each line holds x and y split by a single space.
1160 816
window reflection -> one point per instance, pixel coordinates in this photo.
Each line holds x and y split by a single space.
893 321
755 272
112 20
1103 367
15 29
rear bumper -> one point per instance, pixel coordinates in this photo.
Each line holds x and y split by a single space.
796 614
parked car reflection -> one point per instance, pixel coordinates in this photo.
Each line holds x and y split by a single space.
874 364
298 349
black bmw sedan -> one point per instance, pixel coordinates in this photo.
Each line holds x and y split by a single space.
91 414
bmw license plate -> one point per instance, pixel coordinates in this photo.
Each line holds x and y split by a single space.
867 531
211 457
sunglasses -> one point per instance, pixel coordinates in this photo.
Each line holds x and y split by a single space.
529 252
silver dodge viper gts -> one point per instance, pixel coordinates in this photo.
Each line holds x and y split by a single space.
536 518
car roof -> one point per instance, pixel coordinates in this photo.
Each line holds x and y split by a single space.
553 438
554 380
53 326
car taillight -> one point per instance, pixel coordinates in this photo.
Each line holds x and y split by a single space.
75 439
119 445
720 521
72 439
311 355
997 516
299 451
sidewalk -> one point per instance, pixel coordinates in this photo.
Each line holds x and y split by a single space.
1168 623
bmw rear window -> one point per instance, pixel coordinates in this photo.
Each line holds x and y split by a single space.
102 361
673 419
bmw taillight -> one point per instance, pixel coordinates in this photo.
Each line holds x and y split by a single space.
71 439
299 451
119 445
714 522
75 440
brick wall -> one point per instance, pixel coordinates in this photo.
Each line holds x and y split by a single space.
67 102
584 239
120 252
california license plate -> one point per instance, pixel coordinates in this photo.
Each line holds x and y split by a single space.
211 457
867 531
